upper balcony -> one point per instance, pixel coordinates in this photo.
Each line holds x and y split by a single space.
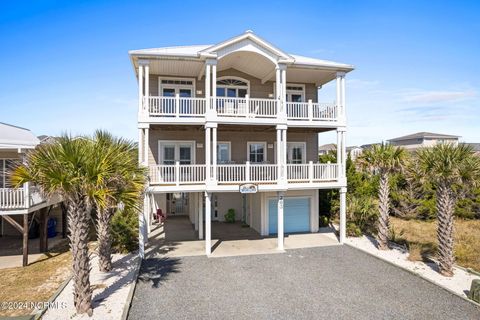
243 80
158 109
19 198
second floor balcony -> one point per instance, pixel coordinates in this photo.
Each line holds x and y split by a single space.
187 109
232 174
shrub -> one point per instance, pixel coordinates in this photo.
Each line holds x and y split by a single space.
353 230
230 216
324 221
125 231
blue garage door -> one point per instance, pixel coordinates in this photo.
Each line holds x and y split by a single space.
296 215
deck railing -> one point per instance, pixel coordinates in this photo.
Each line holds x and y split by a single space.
12 198
224 107
16 198
241 173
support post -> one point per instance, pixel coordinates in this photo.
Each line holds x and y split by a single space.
177 105
200 216
279 155
25 240
207 87
140 146
214 86
208 153
339 154
344 154
343 215
208 223
146 147
43 244
177 173
284 154
140 90
214 154
280 206
247 171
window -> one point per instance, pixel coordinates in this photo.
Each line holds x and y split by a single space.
172 151
257 152
232 87
296 152
223 152
5 166
295 93
185 88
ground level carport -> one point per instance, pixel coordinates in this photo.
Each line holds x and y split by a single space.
334 282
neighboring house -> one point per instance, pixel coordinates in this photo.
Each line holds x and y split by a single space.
235 125
423 139
475 147
354 152
326 148
18 206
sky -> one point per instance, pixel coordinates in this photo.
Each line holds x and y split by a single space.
64 65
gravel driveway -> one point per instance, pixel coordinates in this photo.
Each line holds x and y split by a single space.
336 282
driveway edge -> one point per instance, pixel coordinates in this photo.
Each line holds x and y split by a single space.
412 272
126 307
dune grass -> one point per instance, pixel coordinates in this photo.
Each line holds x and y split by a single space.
421 239
36 282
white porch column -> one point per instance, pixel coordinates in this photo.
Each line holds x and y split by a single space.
278 88
283 90
140 89
339 153
142 229
207 86
146 146
284 154
214 154
140 146
280 206
343 215
340 86
344 153
279 154
208 152
147 83
214 84
200 216
208 223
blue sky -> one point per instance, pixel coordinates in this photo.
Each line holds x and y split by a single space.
64 64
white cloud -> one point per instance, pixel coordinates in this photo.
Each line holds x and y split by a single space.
438 96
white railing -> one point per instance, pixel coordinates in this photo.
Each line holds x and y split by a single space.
177 174
312 111
241 173
175 106
312 172
12 198
245 107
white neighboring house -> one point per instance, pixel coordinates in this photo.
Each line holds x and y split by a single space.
354 152
216 121
423 139
326 148
19 205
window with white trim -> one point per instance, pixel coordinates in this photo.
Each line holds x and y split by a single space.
296 152
5 166
223 152
184 87
232 87
257 152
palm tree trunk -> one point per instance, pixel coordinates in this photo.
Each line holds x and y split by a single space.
383 208
78 225
104 240
445 207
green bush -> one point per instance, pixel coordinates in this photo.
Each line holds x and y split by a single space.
125 231
353 230
324 221
230 216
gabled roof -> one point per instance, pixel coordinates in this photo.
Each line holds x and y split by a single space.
13 137
327 147
248 35
425 135
202 52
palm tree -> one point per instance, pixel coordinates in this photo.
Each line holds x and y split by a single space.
383 159
122 185
450 168
62 168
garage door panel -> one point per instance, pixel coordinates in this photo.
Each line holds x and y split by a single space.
296 215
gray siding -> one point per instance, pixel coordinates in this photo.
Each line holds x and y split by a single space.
257 89
238 141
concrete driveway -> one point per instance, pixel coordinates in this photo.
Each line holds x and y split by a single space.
337 282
